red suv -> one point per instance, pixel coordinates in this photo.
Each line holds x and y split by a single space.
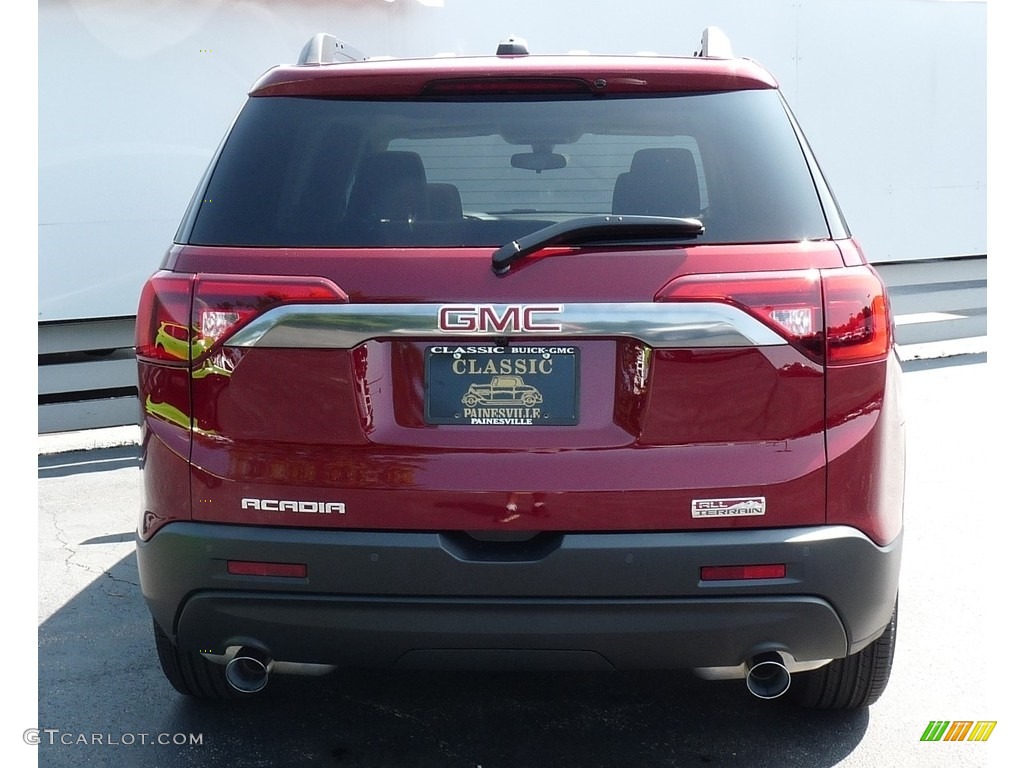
520 361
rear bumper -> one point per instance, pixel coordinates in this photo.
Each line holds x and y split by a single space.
629 601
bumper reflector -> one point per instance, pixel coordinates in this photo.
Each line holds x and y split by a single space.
251 568
732 572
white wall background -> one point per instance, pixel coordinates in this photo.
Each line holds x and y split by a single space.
134 97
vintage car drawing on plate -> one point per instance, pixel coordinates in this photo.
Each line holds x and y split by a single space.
502 390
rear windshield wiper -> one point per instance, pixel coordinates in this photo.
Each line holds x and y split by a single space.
597 229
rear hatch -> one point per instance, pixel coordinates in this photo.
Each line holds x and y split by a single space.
408 315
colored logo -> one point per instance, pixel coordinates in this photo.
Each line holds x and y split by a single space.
958 730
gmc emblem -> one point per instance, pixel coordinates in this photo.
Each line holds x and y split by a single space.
485 318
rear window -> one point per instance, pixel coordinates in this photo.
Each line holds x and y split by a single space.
330 172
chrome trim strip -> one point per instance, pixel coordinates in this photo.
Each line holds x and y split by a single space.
658 324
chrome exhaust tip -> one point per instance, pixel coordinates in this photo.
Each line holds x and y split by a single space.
767 676
249 670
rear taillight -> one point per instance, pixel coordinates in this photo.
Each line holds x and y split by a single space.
224 303
182 317
789 302
857 317
162 324
836 316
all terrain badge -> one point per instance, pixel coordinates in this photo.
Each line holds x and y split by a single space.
738 507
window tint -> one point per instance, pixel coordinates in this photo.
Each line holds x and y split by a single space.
480 167
325 172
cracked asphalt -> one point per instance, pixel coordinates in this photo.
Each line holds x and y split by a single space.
103 700
86 527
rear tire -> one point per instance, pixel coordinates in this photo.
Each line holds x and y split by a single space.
190 672
851 683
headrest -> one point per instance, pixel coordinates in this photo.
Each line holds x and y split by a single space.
389 186
660 182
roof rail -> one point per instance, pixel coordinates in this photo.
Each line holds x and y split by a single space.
323 48
514 46
714 44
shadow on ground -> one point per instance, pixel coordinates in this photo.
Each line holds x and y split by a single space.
81 462
98 674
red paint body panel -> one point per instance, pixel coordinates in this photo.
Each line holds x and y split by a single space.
166 446
345 425
313 441
866 448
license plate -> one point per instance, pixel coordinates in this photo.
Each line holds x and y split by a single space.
513 386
